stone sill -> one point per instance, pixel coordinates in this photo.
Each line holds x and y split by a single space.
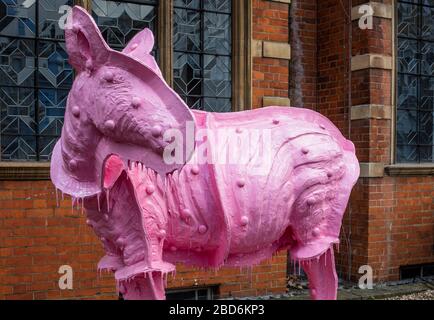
423 169
22 171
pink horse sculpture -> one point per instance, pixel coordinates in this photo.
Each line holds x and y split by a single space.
151 213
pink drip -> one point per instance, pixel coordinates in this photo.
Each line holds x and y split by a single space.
57 198
108 199
72 205
98 199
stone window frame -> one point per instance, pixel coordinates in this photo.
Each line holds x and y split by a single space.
397 168
241 73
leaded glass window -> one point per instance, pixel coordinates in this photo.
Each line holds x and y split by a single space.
202 53
34 78
119 22
415 103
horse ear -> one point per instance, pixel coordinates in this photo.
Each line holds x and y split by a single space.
84 43
140 48
142 41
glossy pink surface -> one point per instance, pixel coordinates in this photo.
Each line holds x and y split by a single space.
150 215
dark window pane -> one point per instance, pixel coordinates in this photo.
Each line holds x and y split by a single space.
407 154
203 49
17 62
427 94
217 76
46 146
218 5
22 148
428 23
217 105
52 104
186 30
408 56
428 2
426 154
407 91
53 67
217 33
408 20
16 20
427 58
17 111
192 4
187 74
407 127
415 105
49 17
194 102
120 22
426 128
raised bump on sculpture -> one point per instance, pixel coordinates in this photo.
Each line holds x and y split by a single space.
202 229
157 131
136 102
311 201
195 170
108 76
244 221
150 189
76 111
109 125
241 182
73 165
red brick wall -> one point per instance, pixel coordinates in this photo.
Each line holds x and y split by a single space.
401 224
389 222
270 76
37 237
303 38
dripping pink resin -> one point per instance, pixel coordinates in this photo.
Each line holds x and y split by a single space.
151 215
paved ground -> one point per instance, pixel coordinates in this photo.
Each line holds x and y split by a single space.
417 289
427 295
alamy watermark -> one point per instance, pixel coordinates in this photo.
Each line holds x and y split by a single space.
225 146
66 280
366 20
366 280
